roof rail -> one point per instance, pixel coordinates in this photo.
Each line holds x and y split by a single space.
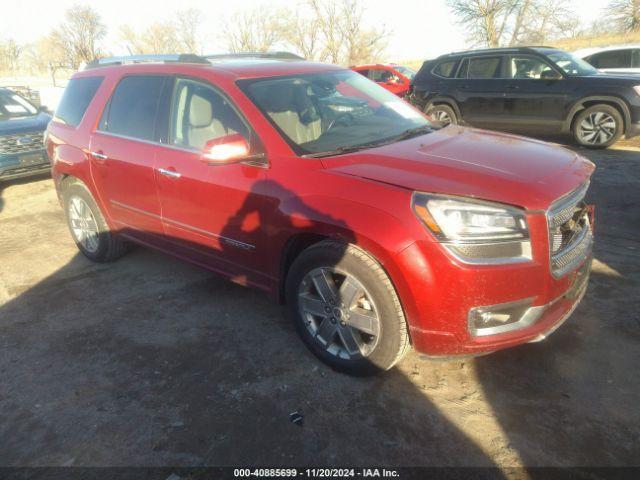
130 59
264 55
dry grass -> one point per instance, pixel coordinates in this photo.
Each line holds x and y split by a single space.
572 44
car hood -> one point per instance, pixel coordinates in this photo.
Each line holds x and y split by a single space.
620 78
33 123
475 163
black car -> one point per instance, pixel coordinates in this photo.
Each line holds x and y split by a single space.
22 128
529 89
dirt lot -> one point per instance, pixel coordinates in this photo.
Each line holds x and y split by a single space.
150 361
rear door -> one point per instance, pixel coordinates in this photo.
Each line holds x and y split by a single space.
532 100
481 90
123 150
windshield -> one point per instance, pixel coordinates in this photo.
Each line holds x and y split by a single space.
570 64
407 72
13 105
331 112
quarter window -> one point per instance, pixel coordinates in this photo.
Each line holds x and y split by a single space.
445 69
484 67
132 109
76 99
200 114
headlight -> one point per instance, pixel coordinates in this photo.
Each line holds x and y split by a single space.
475 231
637 89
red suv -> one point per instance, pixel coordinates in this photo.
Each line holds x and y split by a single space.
395 78
308 181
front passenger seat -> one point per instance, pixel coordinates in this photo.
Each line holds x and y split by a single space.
202 126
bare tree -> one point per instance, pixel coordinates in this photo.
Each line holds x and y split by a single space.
10 55
79 35
625 15
342 32
303 35
159 37
255 30
484 20
188 23
494 23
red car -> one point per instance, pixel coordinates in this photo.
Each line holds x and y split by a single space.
390 76
379 230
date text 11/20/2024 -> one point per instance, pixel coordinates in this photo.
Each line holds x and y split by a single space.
316 472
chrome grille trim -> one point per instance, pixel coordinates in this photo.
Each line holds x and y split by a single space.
570 236
573 254
11 144
562 209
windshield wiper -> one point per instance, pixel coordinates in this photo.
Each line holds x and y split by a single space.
412 132
347 149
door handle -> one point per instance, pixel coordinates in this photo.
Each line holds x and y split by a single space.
169 173
99 156
513 87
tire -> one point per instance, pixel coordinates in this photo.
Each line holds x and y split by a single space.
83 215
599 126
443 114
329 328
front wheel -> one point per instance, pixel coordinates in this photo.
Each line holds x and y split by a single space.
345 309
599 126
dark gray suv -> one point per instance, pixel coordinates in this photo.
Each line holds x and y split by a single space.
529 89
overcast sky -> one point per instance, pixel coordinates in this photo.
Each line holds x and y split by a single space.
420 28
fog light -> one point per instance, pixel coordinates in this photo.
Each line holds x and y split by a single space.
502 318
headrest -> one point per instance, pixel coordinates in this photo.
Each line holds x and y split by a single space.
277 96
200 112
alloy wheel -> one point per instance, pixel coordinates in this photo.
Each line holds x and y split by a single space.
83 224
597 128
441 116
339 313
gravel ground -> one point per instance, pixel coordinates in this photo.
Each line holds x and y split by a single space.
150 361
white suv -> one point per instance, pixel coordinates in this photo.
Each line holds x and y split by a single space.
617 59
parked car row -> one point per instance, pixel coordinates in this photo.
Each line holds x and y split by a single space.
380 229
22 128
532 90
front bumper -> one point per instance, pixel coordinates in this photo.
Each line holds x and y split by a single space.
438 292
24 164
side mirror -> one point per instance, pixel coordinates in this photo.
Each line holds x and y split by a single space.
226 149
43 109
550 75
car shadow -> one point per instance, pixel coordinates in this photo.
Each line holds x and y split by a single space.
153 362
4 184
570 400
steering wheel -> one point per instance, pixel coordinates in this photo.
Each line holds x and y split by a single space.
344 118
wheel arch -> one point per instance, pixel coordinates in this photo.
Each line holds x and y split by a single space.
444 100
586 102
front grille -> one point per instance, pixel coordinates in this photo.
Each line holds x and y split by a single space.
570 236
21 143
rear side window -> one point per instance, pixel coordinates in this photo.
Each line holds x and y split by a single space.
612 59
445 69
76 99
484 67
635 60
131 112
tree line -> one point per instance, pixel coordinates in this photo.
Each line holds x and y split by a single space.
498 23
326 30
